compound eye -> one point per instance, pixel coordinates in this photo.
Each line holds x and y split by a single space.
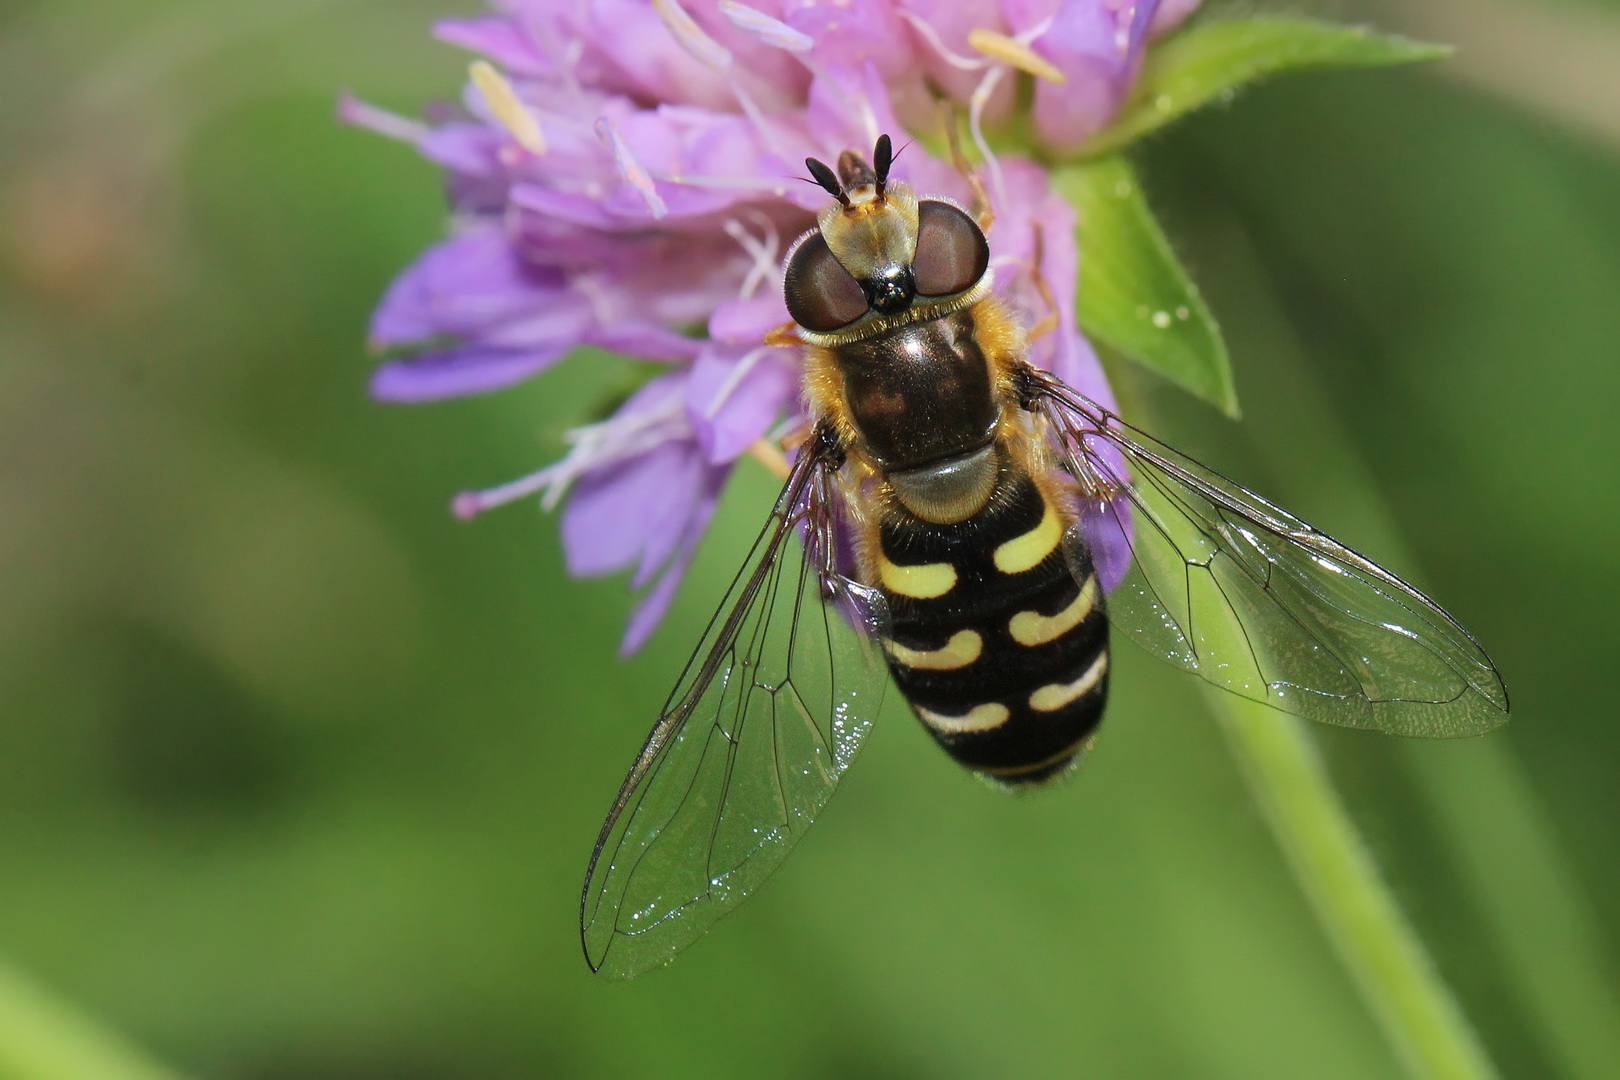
951 250
821 295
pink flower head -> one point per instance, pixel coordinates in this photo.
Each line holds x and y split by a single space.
625 174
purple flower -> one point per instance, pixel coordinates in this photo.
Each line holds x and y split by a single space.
623 173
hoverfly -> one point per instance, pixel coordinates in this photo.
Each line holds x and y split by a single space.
953 511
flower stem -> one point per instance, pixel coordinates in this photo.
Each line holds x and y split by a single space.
1416 1011
44 1038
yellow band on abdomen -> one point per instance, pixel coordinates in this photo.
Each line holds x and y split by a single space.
979 718
1056 695
1032 628
922 582
963 648
1030 550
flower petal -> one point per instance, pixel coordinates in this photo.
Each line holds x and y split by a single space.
1107 534
472 149
651 608
574 208
854 33
949 21
639 511
640 55
463 286
1171 14
848 106
746 322
647 340
671 521
461 371
735 396
614 513
499 37
1097 46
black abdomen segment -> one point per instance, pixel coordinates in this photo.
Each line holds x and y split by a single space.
998 637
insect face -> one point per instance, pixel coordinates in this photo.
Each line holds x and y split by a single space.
879 257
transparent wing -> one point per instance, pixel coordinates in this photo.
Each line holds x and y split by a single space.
769 713
1254 600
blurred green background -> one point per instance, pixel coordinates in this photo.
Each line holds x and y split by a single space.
298 774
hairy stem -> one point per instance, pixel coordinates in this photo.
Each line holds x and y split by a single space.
1414 1008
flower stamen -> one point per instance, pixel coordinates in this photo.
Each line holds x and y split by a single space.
929 34
751 109
976 105
596 296
770 455
469 504
762 251
733 379
741 183
691 36
1016 53
771 31
594 446
504 104
351 110
630 167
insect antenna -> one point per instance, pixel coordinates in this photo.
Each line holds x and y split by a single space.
824 176
882 158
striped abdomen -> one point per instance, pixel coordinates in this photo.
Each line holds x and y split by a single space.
998 635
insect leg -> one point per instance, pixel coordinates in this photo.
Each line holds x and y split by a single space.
982 210
1049 321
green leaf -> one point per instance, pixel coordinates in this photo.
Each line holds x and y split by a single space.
1211 60
1134 295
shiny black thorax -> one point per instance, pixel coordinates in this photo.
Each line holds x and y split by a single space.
920 393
